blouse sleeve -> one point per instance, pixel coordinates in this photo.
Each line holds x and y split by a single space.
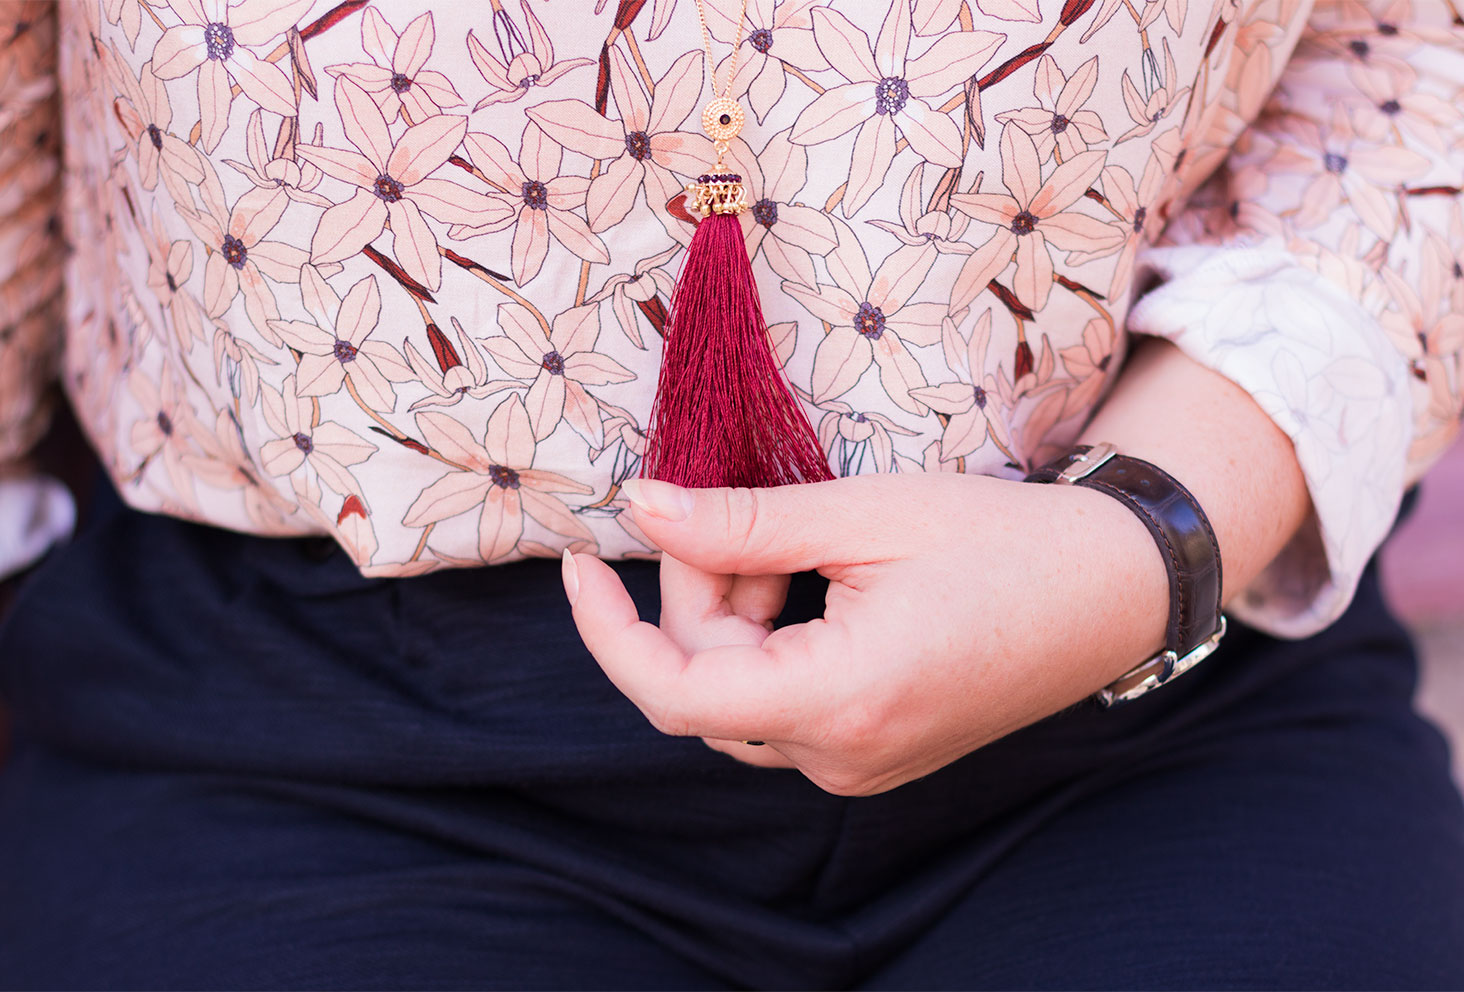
32 510
1319 267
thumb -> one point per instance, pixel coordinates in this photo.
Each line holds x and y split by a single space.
777 530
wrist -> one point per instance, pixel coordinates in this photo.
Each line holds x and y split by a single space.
1131 585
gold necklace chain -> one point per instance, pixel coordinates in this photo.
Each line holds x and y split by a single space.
722 119
701 15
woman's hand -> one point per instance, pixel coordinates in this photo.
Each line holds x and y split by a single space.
959 609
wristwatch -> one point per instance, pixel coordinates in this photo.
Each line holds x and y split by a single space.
1186 543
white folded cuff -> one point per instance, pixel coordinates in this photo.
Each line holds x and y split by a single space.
35 512
1322 368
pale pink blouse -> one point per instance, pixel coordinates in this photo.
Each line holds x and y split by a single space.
397 272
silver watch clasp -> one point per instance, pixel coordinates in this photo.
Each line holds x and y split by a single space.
1087 463
1158 670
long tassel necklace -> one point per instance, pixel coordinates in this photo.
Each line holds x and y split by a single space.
723 414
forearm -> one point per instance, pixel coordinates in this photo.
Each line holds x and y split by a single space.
1211 436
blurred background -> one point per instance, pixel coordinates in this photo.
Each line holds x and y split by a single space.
1423 577
1423 574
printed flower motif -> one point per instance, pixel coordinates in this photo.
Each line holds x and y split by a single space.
499 477
519 66
170 263
645 289
163 429
886 93
773 34
1029 219
394 77
871 322
849 436
327 447
1338 167
127 14
394 183
146 114
787 232
225 464
214 38
560 367
936 228
660 15
1148 112
1451 253
1137 220
1173 11
1059 122
1421 322
930 461
1392 101
645 144
237 363
539 202
455 376
1089 363
934 16
267 172
240 258
974 410
623 434
335 348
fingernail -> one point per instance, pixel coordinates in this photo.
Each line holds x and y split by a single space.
571 576
659 499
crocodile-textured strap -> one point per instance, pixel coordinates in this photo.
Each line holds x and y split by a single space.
1180 528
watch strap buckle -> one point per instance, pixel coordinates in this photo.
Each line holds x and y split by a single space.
1158 670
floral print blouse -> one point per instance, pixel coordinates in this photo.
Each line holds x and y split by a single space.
398 271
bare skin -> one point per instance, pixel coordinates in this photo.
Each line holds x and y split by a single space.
960 607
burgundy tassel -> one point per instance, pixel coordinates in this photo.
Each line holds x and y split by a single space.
723 415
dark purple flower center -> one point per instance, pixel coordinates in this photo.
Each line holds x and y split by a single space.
1360 48
303 442
503 477
1105 361
761 40
1024 223
765 212
1059 123
869 321
536 195
1140 215
1335 163
234 251
344 351
165 423
858 418
400 83
890 94
979 395
387 188
528 81
1387 30
638 143
218 38
172 283
554 362
1458 271
1390 107
155 136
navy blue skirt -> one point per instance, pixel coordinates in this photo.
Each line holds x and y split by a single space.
239 764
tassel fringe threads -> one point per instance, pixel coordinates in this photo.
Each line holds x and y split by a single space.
723 414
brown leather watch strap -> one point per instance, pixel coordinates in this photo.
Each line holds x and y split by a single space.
1180 528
